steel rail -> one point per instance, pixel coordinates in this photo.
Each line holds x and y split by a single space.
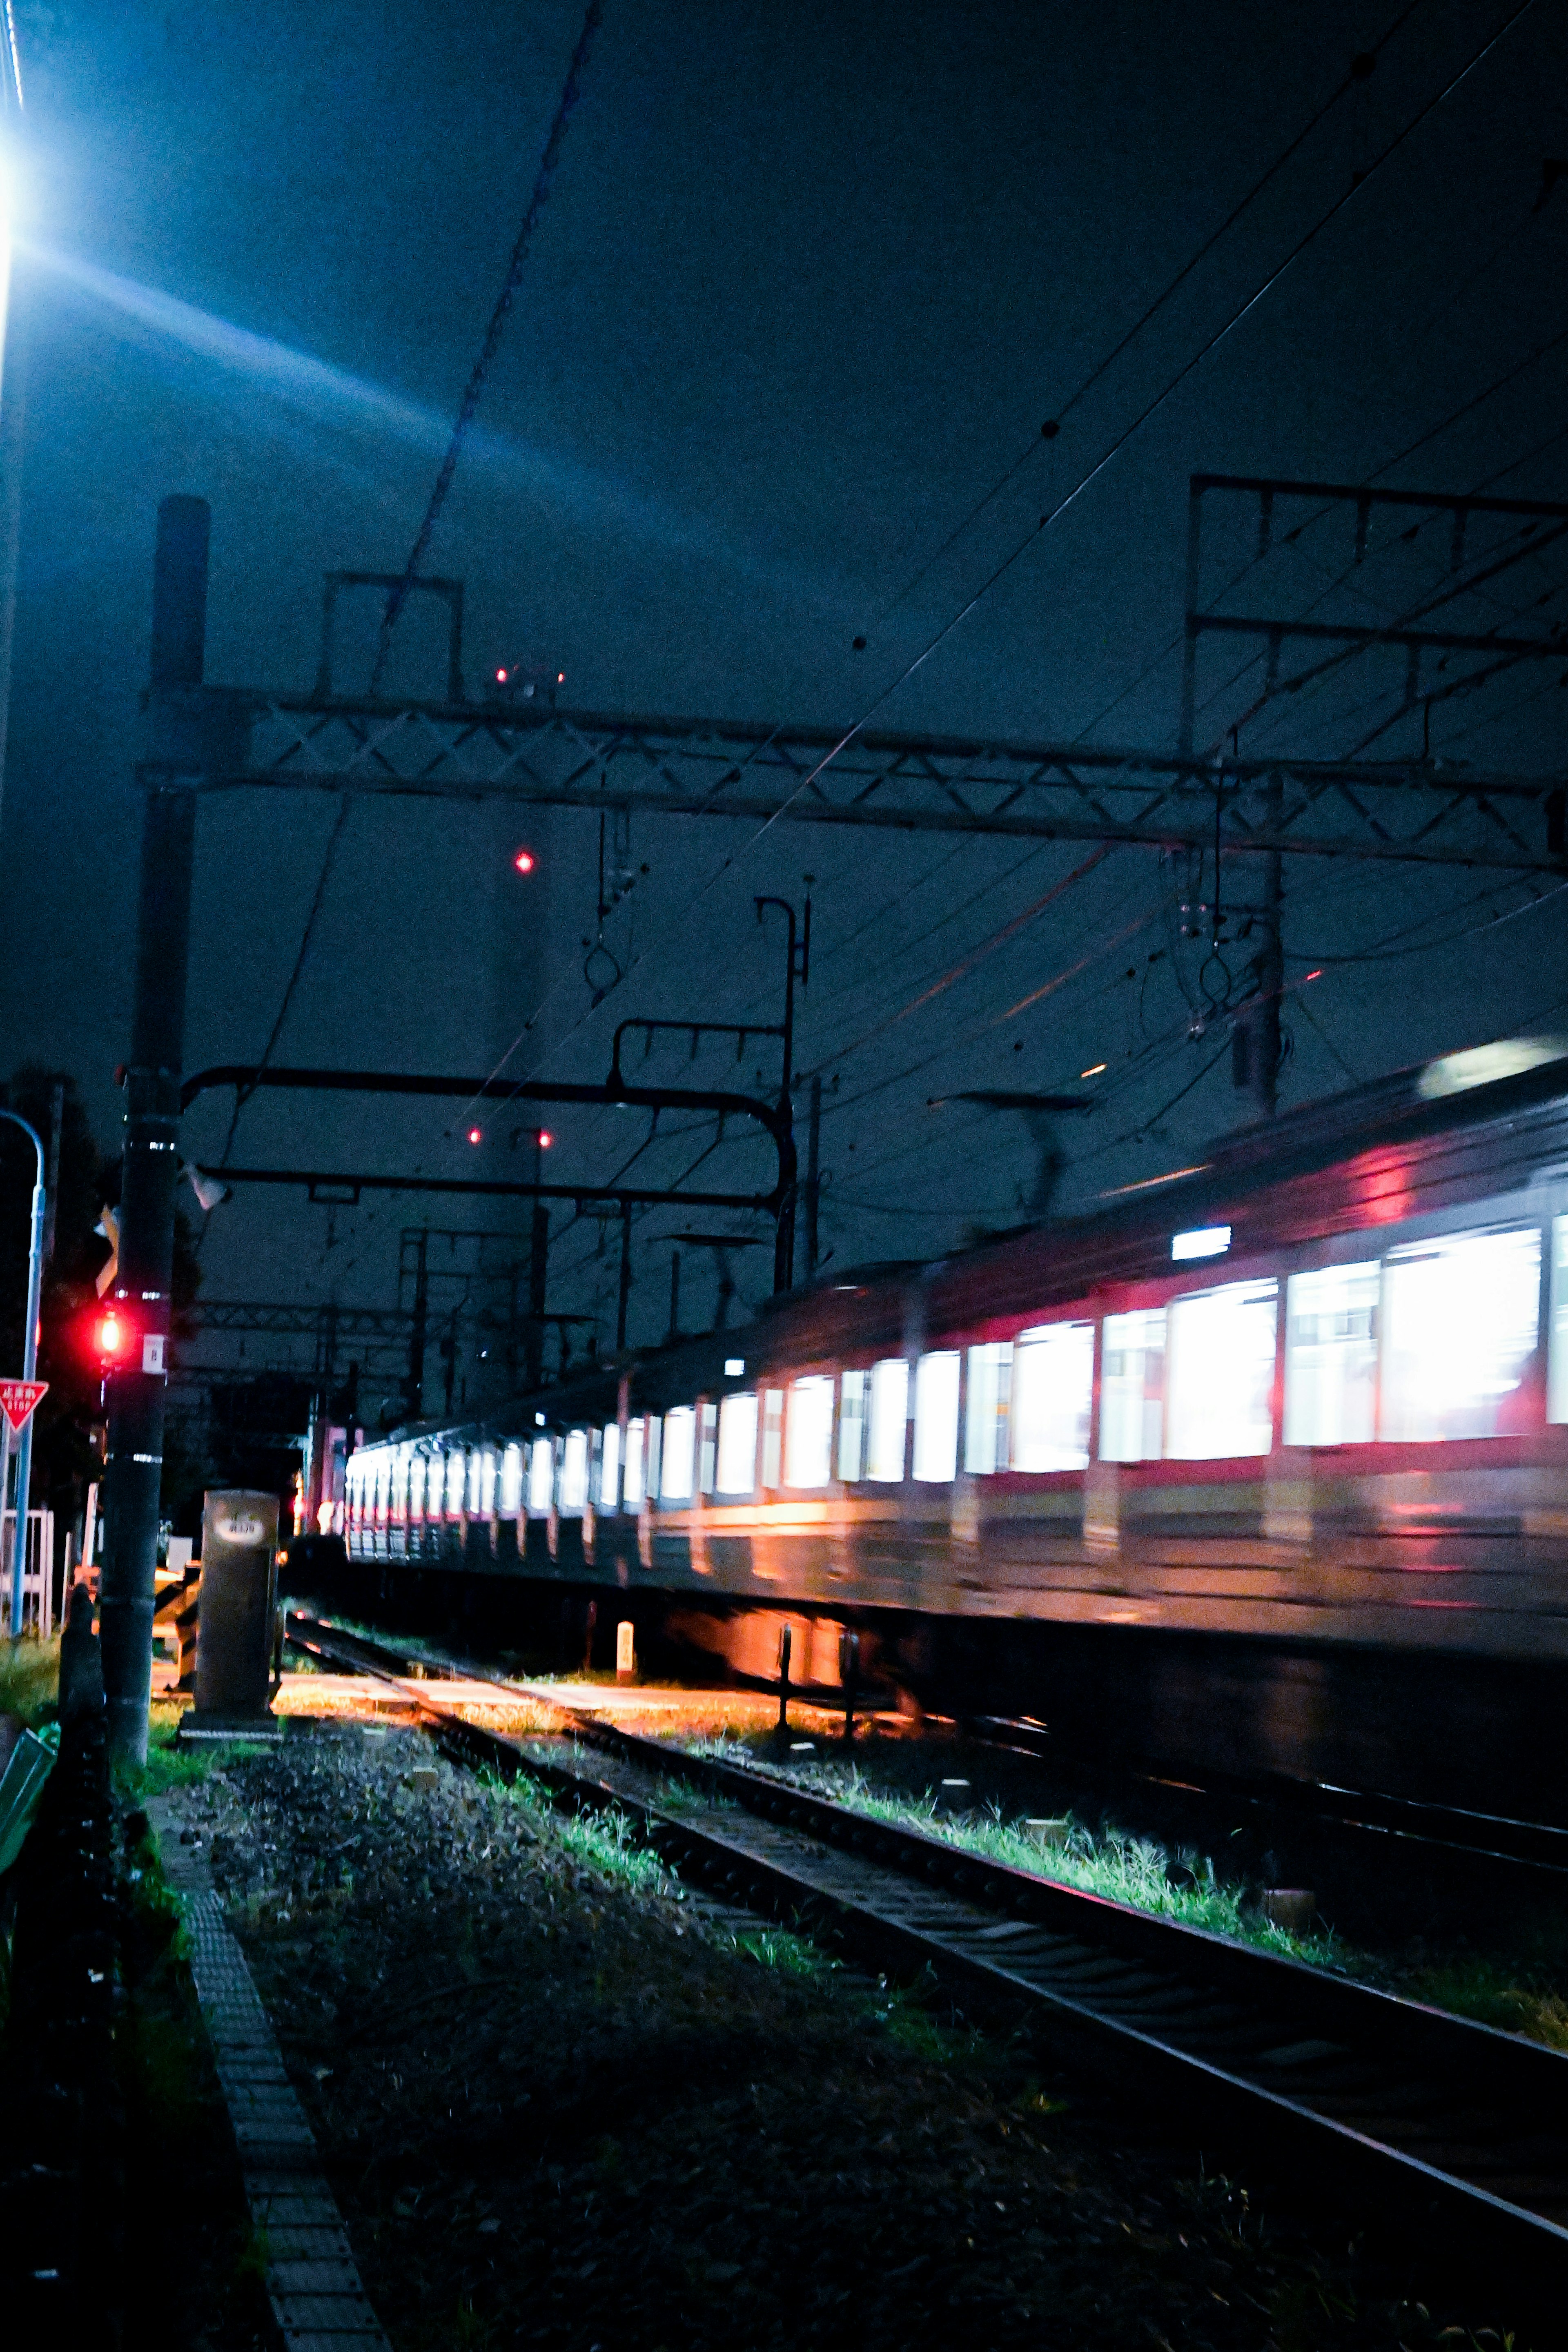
1443 2125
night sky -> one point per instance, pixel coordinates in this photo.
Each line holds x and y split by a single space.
809 280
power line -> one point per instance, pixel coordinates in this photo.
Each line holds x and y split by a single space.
242 1094
492 345
1433 433
1045 521
1360 68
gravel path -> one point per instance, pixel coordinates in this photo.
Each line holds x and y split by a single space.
562 2102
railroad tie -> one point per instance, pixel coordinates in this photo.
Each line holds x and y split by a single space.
312 2280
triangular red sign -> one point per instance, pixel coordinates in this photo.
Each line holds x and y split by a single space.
17 1399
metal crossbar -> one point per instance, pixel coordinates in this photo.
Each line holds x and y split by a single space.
1405 811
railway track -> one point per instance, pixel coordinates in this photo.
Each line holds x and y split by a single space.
1442 2127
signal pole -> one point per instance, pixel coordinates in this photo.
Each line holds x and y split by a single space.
150 1162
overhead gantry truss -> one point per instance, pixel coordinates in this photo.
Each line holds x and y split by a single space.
1405 811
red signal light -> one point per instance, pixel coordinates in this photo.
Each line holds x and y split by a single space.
524 861
112 1336
475 1135
545 1139
500 677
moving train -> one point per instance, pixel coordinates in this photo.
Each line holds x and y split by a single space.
1260 1463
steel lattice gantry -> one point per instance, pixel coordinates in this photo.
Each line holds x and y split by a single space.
1408 810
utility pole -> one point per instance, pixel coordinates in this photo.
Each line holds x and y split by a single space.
624 1299
135 1395
1254 1041
797 966
813 1177
415 1385
538 1271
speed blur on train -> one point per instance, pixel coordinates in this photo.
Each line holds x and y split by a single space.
1260 1466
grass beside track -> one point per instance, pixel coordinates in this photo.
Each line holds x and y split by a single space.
1524 1992
567 2102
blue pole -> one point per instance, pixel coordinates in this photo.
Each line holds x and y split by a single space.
29 1367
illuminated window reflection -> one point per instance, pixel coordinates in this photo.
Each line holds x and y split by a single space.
1461 1315
985 1413
1053 1384
936 1417
574 1471
852 1426
1331 1356
889 1420
541 1476
680 1446
808 1434
737 1445
1132 1387
631 1476
1219 1372
1557 1369
610 1466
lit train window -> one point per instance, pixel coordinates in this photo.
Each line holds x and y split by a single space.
416 1488
1053 1387
736 1467
936 1417
631 1476
476 1473
653 1437
986 1416
574 1471
1557 1358
808 1434
610 1466
541 1476
707 1445
679 1444
399 1484
1331 1356
488 1481
1219 1371
887 1420
1461 1314
512 1482
852 1426
1132 1387
456 1480
773 1435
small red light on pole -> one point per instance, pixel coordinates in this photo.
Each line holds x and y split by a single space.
111 1336
545 1139
524 861
475 1135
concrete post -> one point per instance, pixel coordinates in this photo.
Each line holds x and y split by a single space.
151 1162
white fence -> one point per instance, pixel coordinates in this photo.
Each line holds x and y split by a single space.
38 1574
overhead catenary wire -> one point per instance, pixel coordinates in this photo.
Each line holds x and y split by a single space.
242 1094
467 408
1118 442
1433 433
1359 69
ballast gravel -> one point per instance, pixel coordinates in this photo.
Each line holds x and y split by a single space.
563 2102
